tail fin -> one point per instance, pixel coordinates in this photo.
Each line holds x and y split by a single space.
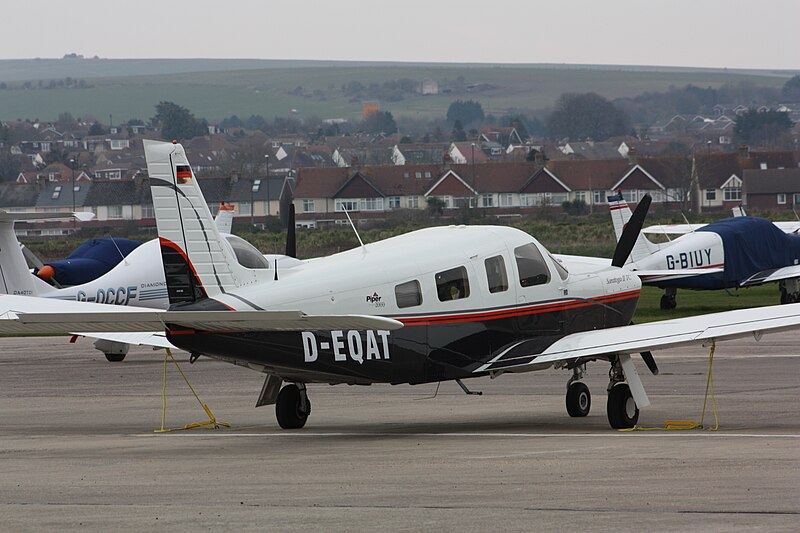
15 276
620 215
738 211
196 262
224 219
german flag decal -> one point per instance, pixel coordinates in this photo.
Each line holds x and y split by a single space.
184 174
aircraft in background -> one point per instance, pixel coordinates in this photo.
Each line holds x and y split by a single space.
137 280
668 230
444 303
736 252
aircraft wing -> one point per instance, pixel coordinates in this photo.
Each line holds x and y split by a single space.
653 276
644 337
671 229
788 227
773 274
30 315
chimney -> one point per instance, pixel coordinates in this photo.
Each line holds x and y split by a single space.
354 163
538 158
447 161
632 159
744 151
235 177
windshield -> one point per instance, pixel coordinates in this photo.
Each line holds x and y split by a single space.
247 254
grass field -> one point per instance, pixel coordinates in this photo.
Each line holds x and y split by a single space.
246 89
692 303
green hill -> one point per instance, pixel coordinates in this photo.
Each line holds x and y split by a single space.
216 88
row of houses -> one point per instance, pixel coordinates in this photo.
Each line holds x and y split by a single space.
503 189
703 181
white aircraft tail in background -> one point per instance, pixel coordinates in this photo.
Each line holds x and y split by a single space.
620 215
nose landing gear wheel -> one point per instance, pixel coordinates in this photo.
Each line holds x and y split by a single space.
621 408
292 407
579 400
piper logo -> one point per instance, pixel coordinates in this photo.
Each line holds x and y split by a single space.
347 344
375 300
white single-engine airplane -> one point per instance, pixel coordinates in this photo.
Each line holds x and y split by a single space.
732 253
444 303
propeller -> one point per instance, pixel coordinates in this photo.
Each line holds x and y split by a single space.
291 237
650 361
631 232
44 272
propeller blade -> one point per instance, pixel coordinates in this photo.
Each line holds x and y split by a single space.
631 232
291 237
32 258
650 361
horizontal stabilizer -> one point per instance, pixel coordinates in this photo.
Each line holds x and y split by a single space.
19 315
157 339
82 216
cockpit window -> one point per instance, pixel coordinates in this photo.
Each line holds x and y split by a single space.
532 268
247 254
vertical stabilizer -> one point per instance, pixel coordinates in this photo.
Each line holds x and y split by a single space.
15 276
620 215
196 263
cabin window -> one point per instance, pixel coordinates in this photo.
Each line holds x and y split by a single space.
532 268
452 284
496 274
408 294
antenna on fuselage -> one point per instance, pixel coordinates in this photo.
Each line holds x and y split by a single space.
124 260
354 227
691 229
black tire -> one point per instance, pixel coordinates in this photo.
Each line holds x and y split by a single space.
288 408
579 399
115 357
621 409
668 302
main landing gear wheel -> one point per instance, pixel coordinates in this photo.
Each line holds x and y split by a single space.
668 302
579 400
621 408
115 357
292 407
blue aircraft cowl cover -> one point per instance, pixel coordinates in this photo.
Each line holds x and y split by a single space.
91 260
753 244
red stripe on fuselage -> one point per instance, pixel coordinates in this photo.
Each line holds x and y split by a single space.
516 311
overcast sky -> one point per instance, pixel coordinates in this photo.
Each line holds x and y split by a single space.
700 33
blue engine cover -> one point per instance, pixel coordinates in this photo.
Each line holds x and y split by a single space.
91 260
751 245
